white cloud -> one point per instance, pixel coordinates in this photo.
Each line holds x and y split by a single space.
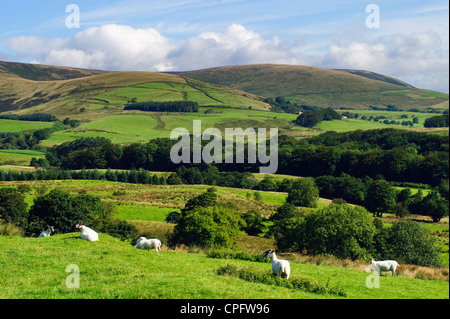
111 47
417 59
236 45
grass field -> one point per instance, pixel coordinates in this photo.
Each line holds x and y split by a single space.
20 126
36 267
18 157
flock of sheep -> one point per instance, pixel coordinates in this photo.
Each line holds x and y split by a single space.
280 267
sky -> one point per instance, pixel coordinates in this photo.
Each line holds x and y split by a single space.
408 40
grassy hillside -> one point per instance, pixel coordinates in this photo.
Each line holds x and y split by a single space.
33 268
323 87
99 94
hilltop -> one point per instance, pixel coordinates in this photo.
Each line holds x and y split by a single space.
354 89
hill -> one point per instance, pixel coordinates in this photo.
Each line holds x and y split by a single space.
26 88
323 87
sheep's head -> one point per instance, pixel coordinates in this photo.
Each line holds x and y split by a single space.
372 260
52 229
79 225
268 253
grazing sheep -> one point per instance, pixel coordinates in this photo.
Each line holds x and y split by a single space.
385 265
144 243
86 232
48 232
280 267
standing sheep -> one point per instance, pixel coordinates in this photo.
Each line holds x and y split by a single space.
86 232
386 265
280 267
144 243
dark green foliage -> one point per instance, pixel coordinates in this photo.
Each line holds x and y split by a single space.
208 227
13 208
61 210
435 206
254 223
410 243
380 198
437 121
313 117
172 106
38 117
304 193
341 230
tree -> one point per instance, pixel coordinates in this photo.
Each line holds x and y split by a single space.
380 198
341 230
62 210
303 193
434 206
410 243
216 226
13 208
254 223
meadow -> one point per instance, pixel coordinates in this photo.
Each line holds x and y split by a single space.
35 268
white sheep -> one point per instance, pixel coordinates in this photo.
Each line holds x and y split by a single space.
385 265
280 267
86 232
48 232
144 243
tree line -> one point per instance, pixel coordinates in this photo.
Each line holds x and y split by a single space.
171 106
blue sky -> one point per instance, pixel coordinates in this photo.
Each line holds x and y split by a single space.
411 43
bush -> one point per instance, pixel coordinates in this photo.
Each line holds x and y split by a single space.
340 230
207 227
13 208
254 223
62 210
304 193
410 243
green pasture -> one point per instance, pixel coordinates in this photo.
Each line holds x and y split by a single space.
36 268
18 157
20 126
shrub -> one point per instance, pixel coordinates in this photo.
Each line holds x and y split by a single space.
207 227
304 193
340 230
13 208
410 243
254 223
62 210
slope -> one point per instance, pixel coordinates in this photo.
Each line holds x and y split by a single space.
105 93
323 87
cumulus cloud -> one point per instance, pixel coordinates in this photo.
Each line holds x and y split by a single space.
111 47
236 45
417 59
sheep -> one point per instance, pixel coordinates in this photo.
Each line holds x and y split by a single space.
86 232
48 232
280 267
144 243
385 265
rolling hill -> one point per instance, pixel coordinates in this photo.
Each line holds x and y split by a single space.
352 89
26 88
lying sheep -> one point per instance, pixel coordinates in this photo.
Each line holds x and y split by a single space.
385 265
86 232
47 233
280 267
144 243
